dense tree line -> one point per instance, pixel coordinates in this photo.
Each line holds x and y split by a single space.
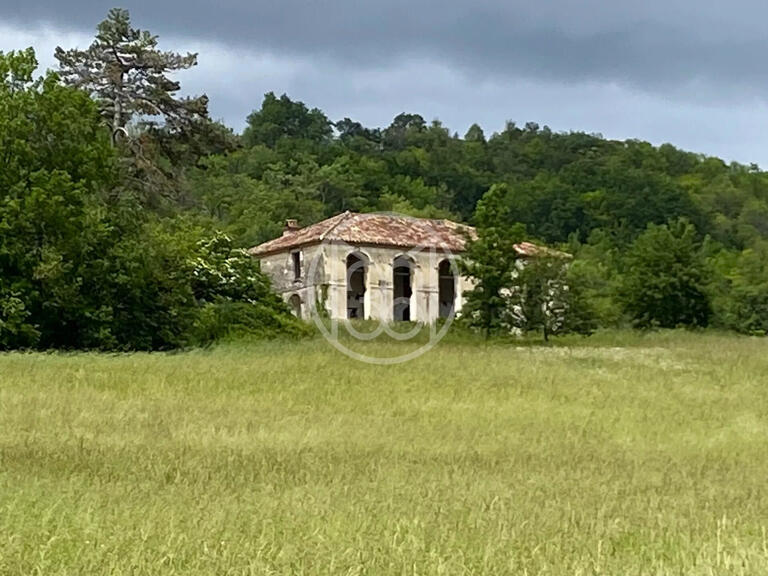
660 237
94 252
124 209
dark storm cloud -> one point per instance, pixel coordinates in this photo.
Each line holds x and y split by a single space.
654 45
689 72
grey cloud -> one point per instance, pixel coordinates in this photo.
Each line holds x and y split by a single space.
663 70
655 45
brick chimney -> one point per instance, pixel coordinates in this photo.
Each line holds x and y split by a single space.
291 225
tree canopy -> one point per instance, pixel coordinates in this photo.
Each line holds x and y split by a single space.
82 267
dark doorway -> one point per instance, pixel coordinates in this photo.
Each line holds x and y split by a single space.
295 303
401 285
446 289
356 265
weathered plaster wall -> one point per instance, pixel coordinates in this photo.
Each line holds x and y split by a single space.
323 282
279 267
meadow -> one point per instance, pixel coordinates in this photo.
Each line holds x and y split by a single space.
619 454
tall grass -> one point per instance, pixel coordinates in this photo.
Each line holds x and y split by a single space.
646 457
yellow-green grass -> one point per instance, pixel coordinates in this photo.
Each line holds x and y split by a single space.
647 457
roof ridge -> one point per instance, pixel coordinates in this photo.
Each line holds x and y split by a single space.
344 216
392 214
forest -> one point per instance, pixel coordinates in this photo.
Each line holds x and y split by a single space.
125 210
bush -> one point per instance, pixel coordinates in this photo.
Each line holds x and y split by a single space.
741 304
223 319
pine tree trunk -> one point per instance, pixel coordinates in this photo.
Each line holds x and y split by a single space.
117 118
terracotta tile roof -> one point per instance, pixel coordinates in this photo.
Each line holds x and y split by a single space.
374 229
527 249
382 229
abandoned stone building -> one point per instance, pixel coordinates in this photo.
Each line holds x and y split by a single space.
384 267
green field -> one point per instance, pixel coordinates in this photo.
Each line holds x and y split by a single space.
618 455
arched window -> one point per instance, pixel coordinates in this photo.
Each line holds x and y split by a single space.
295 303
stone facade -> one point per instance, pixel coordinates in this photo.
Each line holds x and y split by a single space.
385 267
386 283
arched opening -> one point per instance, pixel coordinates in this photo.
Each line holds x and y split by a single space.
402 273
356 272
295 303
446 289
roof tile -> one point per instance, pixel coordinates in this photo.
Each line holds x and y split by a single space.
375 229
386 229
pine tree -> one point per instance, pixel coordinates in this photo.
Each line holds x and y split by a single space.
128 76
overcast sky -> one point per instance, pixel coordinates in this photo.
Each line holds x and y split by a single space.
688 72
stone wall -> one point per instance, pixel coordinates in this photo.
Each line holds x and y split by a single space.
323 280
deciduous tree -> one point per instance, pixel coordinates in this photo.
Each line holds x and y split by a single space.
665 278
489 262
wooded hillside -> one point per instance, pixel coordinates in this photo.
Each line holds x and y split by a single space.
124 208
